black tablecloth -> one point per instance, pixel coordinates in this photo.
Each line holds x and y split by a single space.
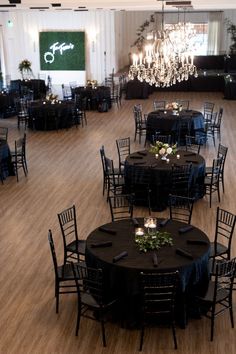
7 105
137 89
161 174
167 122
122 277
48 116
95 96
6 162
38 87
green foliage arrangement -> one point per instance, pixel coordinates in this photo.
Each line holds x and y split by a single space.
231 28
139 42
153 241
25 65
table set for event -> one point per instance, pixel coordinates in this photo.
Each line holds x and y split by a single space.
168 121
47 115
161 173
7 168
112 247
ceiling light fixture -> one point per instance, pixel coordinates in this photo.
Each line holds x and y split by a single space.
168 56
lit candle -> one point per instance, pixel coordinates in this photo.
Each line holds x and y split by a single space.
167 160
178 157
139 231
156 156
140 58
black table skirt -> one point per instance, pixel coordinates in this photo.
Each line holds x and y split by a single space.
167 123
50 116
122 278
6 161
161 175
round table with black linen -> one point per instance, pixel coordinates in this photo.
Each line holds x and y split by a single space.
45 115
122 277
161 174
167 122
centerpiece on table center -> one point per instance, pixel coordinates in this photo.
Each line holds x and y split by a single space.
163 149
174 106
153 240
25 69
52 98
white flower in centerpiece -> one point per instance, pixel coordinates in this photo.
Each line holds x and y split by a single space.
162 151
169 150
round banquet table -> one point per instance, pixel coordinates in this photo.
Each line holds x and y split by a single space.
166 122
122 277
44 115
7 167
161 174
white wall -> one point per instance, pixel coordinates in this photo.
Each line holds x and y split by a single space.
22 41
106 32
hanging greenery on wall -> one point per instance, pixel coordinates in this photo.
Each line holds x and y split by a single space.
231 29
139 42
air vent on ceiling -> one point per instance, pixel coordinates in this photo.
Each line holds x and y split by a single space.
56 4
39 8
15 1
7 5
178 3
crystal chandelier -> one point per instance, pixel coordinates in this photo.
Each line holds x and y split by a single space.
168 56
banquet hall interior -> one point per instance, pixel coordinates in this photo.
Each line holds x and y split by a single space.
64 169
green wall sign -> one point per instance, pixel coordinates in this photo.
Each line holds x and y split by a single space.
62 50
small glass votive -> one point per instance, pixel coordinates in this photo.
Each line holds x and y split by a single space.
165 112
156 156
178 157
139 231
150 224
167 160
44 102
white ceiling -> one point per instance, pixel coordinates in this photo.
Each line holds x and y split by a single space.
128 5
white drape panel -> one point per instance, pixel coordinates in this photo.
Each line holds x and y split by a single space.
214 32
3 57
22 41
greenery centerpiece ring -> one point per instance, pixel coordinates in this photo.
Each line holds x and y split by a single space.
153 241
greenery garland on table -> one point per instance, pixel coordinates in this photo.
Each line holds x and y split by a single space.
153 241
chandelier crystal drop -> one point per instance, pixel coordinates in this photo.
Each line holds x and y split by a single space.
168 56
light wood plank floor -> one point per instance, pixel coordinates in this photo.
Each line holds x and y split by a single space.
65 168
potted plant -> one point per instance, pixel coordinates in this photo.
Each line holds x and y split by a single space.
231 28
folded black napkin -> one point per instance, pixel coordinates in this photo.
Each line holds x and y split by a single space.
154 259
197 242
120 256
101 244
139 163
109 231
142 153
192 161
164 222
184 229
183 253
136 157
135 222
190 154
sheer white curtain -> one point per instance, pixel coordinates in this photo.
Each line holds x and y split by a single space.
2 57
214 32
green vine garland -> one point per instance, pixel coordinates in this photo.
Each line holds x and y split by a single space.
153 241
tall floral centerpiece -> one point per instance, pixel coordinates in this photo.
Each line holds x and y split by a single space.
25 69
174 106
163 149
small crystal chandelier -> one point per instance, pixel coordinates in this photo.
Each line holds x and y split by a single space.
168 56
